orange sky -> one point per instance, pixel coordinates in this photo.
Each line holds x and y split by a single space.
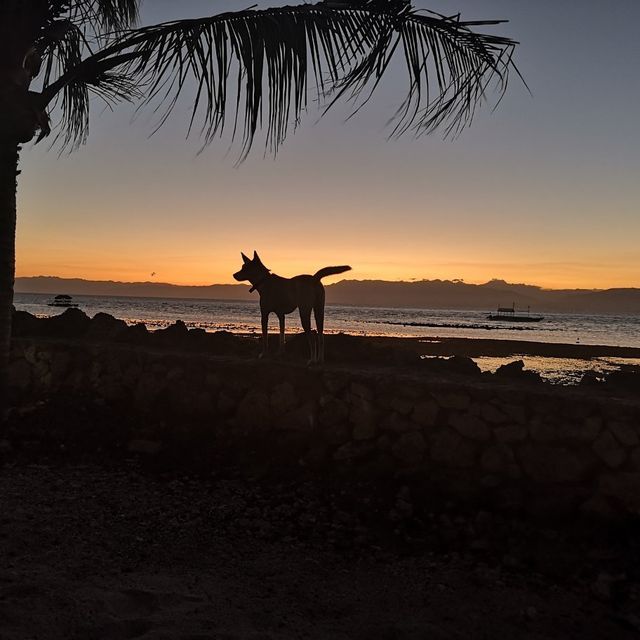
543 191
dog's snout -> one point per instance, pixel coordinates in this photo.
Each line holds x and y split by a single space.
238 276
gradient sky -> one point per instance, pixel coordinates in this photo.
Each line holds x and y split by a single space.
544 190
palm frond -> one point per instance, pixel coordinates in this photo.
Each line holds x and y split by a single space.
104 16
272 55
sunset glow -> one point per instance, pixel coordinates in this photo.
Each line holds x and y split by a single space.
543 191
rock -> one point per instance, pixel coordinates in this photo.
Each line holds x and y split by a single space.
627 379
515 412
363 417
456 365
463 366
337 434
629 621
403 406
609 451
590 428
73 323
425 413
283 398
591 378
31 354
404 505
302 419
621 489
20 375
396 423
469 426
145 447
624 433
253 410
105 327
458 401
554 464
315 458
5 447
226 343
409 448
25 325
353 451
510 433
491 414
449 449
175 335
515 371
543 429
483 523
364 430
602 588
136 334
197 339
341 347
491 481
226 404
361 391
335 382
332 411
60 364
499 459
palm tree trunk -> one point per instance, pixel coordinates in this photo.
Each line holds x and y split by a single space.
8 185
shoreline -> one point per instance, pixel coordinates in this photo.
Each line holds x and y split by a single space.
483 347
554 362
496 347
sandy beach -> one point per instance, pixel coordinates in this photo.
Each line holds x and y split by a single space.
102 549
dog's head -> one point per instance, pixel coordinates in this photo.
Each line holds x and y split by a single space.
252 270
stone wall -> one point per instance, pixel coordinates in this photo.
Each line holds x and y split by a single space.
532 449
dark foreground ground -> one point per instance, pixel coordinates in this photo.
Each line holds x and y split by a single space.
94 548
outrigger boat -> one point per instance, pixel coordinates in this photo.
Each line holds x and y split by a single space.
63 300
509 314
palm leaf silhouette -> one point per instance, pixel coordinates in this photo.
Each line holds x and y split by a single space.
257 66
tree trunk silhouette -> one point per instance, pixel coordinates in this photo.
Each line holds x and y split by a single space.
8 184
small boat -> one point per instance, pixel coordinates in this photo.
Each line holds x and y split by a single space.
63 300
509 314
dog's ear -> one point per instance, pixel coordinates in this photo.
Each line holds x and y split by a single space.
244 258
256 257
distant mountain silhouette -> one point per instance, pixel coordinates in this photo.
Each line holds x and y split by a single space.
427 294
78 286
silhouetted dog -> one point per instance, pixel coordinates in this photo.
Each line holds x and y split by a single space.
282 295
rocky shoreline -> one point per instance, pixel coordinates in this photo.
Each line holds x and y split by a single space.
441 356
506 441
170 485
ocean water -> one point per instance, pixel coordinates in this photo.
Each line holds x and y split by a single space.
244 317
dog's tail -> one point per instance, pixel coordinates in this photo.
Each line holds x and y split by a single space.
330 271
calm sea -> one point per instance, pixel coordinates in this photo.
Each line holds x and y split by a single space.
243 317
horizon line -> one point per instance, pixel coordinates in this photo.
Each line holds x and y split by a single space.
401 281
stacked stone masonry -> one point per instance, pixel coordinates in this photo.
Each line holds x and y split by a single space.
513 447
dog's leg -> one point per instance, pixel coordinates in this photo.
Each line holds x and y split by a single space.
265 334
282 338
318 313
305 319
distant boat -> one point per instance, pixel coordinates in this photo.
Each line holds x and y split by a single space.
63 300
509 314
